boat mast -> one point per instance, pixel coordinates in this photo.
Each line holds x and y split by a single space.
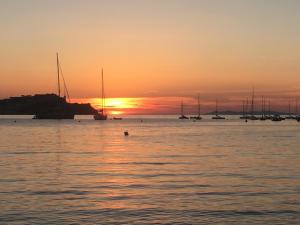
181 108
252 103
217 107
199 107
243 107
58 78
289 107
296 109
103 96
262 107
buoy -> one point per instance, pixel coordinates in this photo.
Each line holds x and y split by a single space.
246 121
126 133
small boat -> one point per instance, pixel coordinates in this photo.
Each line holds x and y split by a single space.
277 118
244 110
182 117
59 110
198 117
263 109
217 116
100 115
289 116
117 118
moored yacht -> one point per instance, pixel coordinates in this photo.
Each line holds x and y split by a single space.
101 115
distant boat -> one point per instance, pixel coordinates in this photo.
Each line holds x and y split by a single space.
244 110
100 115
182 117
277 118
252 116
217 116
290 117
58 111
117 118
263 109
198 117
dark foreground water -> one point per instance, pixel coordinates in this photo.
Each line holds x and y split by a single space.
165 172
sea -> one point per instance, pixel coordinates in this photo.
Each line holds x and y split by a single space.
166 171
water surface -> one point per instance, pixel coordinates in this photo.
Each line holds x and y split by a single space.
165 172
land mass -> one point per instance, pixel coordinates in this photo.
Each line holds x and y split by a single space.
33 104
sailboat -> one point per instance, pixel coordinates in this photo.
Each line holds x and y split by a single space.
245 110
60 109
198 117
252 117
217 116
263 109
289 117
100 115
182 117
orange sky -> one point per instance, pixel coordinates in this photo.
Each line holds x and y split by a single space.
151 49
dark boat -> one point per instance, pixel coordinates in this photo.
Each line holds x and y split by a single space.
59 109
252 116
182 117
117 118
263 109
244 110
101 115
217 116
198 117
277 118
290 116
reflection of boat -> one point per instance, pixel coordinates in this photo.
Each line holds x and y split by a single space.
182 117
217 116
100 115
59 108
198 117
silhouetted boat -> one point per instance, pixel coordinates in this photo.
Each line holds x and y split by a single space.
59 110
245 115
198 117
290 116
252 116
100 115
117 118
263 109
217 116
277 118
182 117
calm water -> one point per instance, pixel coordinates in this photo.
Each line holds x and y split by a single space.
165 172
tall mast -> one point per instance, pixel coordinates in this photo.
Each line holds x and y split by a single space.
246 107
262 107
289 107
296 108
58 78
103 96
181 107
199 106
216 107
252 102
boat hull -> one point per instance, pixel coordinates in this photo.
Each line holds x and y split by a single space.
100 117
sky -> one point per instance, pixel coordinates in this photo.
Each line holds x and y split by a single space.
151 49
